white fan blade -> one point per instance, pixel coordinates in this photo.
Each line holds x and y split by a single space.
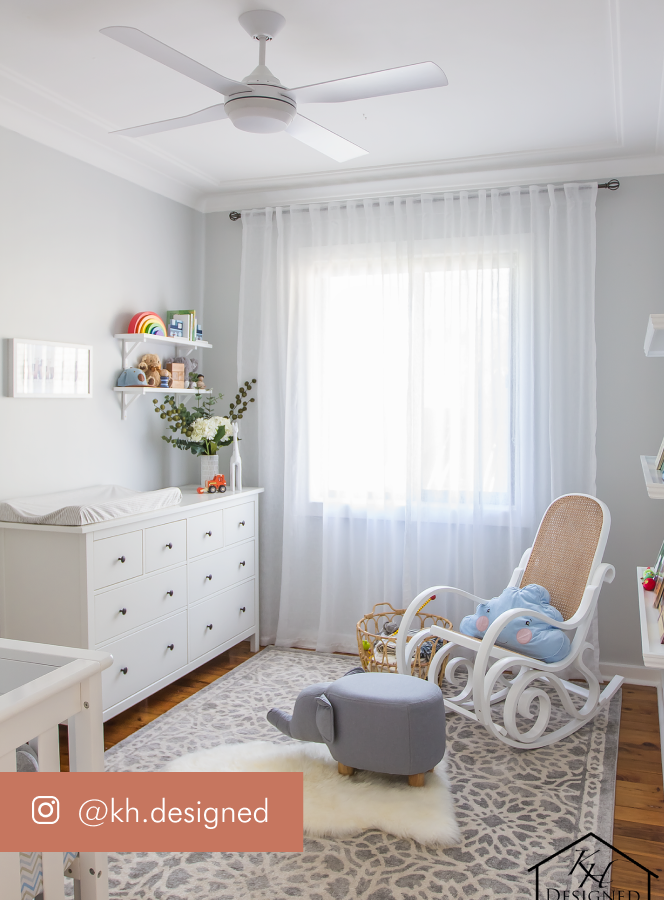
324 141
211 114
149 46
375 84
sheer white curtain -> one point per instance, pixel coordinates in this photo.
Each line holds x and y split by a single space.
426 387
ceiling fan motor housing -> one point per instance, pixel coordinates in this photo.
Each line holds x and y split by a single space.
263 112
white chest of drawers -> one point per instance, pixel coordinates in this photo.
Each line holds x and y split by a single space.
163 592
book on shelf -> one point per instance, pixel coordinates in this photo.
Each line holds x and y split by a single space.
659 578
659 591
659 459
660 625
188 319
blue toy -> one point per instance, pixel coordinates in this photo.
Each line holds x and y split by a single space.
524 635
132 378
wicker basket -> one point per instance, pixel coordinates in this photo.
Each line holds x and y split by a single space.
378 658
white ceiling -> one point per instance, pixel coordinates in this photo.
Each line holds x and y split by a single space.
532 83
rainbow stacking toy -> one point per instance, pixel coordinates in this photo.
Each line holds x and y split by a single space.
147 323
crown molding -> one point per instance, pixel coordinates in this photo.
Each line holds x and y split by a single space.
469 174
37 113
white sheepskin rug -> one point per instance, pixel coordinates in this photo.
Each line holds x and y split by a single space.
338 805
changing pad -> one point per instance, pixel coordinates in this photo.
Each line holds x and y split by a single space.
86 505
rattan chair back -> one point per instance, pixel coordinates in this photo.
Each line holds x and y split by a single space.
564 550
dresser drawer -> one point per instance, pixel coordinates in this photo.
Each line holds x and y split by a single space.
238 523
165 545
146 656
219 571
220 618
205 533
133 605
118 558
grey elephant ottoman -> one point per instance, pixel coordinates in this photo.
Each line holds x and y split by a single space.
380 722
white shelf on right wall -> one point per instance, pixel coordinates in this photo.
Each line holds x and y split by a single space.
653 346
654 342
653 478
652 649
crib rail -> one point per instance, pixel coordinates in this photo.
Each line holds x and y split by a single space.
68 690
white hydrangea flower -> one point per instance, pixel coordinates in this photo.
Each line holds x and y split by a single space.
205 429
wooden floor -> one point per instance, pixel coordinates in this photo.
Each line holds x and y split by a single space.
638 828
639 810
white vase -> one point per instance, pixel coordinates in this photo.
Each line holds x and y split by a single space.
209 468
236 462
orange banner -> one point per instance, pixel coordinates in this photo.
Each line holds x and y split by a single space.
143 811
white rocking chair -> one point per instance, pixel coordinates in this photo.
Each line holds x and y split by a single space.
566 559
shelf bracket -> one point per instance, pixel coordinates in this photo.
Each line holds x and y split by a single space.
126 400
128 348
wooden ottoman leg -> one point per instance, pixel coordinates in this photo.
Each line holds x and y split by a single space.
345 770
416 780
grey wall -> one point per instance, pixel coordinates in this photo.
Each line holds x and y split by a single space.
223 247
630 396
80 252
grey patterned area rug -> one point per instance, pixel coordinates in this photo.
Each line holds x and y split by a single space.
514 807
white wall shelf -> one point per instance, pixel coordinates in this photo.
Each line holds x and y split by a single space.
651 648
129 344
131 341
652 478
654 343
129 394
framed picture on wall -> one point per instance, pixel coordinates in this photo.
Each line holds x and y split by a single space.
43 370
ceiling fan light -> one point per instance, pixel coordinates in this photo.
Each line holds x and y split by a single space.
260 115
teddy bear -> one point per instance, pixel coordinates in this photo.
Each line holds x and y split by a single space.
151 365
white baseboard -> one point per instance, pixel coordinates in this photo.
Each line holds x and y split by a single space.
632 674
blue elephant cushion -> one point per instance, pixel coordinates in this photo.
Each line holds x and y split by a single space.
524 634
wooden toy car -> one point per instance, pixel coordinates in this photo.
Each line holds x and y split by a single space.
213 486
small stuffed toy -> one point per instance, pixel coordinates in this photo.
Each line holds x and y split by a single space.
151 365
165 378
132 377
200 383
649 580
529 636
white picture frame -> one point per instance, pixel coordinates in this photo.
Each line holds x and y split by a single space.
50 370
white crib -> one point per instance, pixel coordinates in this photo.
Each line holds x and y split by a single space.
42 685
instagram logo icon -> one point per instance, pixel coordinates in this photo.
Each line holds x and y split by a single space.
45 810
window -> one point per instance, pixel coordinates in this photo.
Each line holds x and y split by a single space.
410 382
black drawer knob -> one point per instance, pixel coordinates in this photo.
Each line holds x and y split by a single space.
170 546
243 609
169 593
242 522
208 626
121 559
170 646
124 670
209 534
123 611
243 563
208 577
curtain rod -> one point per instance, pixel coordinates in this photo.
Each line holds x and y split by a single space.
611 185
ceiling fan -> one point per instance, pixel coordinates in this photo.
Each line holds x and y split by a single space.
260 103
